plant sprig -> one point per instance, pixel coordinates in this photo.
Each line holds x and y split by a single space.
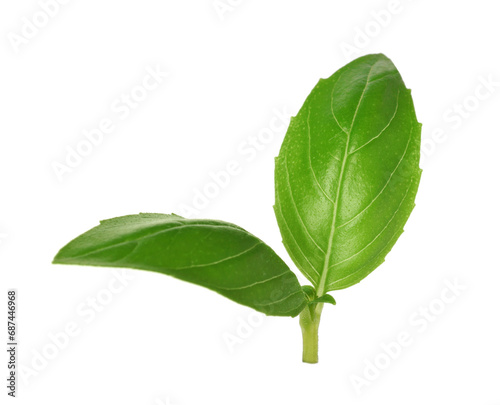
346 179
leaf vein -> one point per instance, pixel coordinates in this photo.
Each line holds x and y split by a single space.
331 106
283 299
145 237
363 267
382 131
380 233
322 283
295 240
297 210
385 185
225 259
309 157
250 285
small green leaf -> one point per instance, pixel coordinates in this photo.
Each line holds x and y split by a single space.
348 172
214 254
310 292
327 299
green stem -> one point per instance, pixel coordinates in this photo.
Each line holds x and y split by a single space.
309 323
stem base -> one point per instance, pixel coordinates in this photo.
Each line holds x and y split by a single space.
309 323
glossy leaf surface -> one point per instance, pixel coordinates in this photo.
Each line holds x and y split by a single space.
348 172
214 254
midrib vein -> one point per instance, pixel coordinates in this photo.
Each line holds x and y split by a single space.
321 286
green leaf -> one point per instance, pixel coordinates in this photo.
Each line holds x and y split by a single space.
327 299
347 173
217 255
310 292
312 298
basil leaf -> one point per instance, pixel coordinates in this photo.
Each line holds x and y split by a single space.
214 254
347 173
312 298
310 292
327 299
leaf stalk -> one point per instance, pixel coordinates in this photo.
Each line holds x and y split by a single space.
309 323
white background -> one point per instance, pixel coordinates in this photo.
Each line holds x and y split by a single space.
163 341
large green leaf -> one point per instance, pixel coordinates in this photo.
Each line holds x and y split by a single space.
218 255
347 173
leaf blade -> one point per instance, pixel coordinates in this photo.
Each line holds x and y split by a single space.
347 173
214 254
325 299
